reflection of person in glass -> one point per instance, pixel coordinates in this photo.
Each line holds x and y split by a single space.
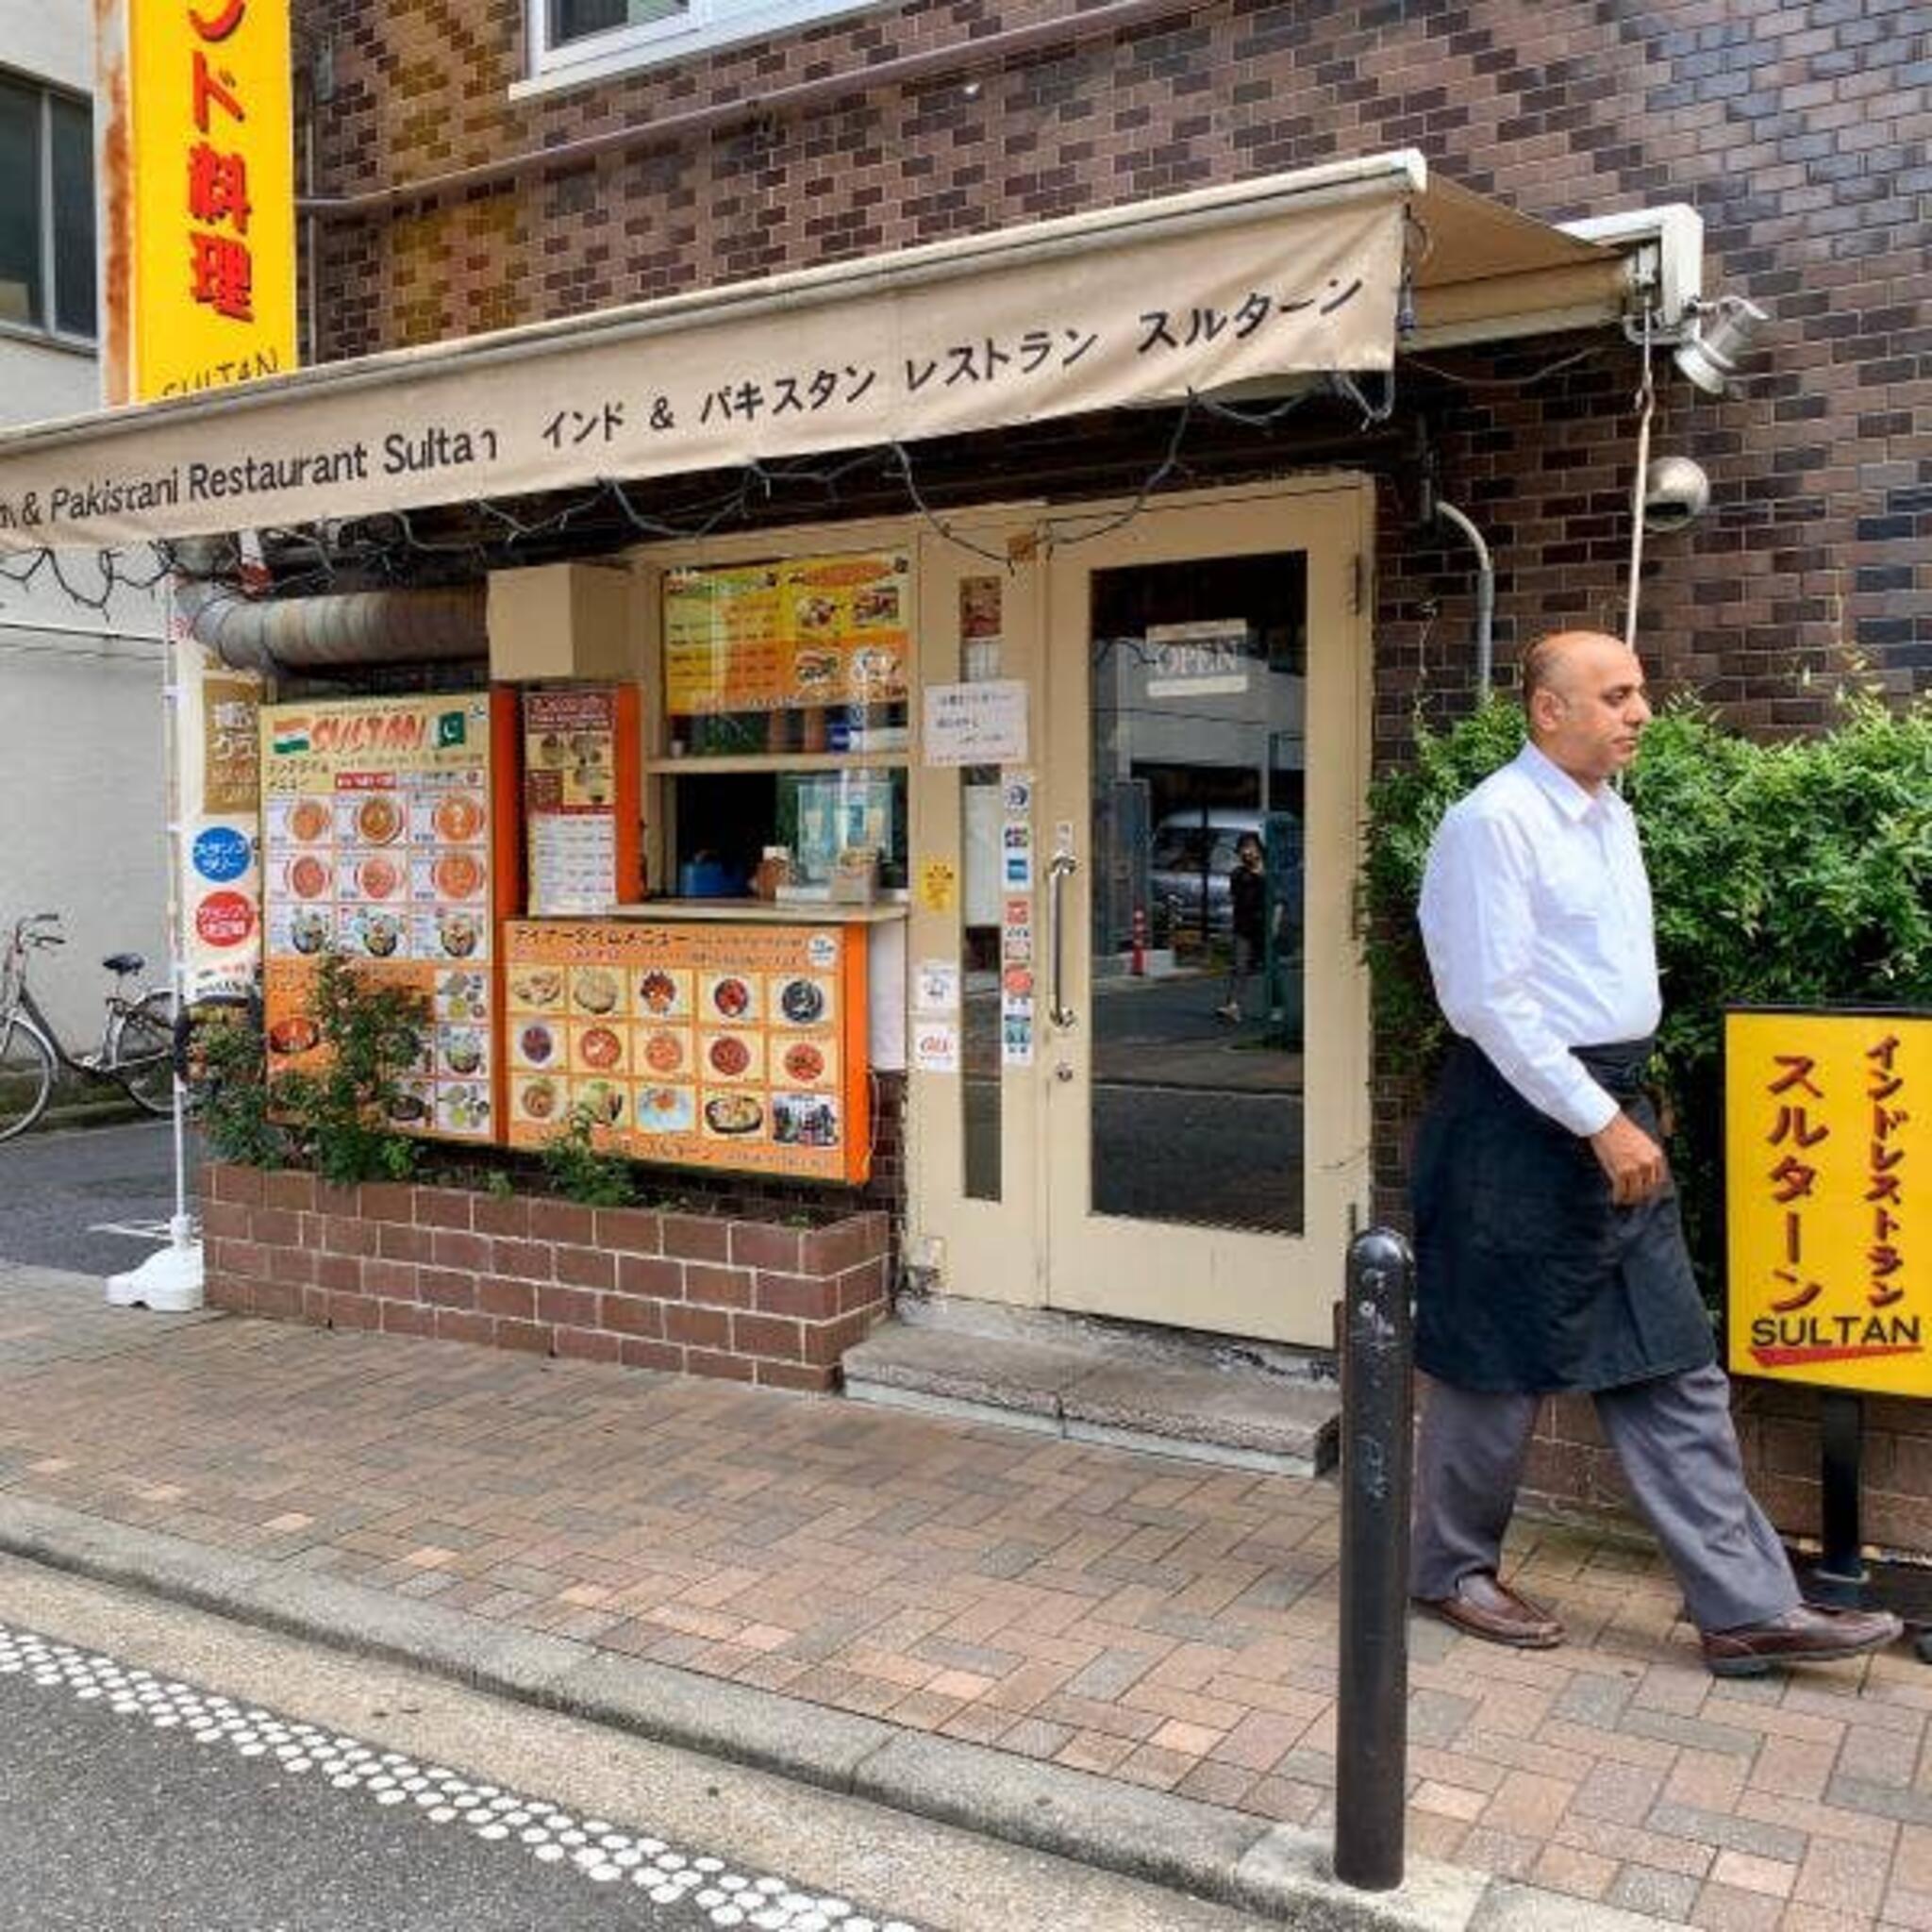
1247 895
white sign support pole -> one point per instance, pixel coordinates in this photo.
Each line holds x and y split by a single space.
171 1279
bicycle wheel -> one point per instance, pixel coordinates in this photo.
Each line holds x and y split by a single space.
140 1051
27 1074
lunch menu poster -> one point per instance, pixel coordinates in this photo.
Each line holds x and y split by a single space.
702 1046
798 634
377 833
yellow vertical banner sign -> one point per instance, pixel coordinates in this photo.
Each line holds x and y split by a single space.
194 107
197 153
1828 1197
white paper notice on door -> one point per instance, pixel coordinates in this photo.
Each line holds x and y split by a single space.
976 724
936 1047
936 987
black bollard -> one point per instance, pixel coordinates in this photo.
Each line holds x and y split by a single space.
1377 1459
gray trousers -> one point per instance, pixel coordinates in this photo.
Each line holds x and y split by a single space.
1678 1449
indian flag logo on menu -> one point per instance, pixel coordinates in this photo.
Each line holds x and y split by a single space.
290 735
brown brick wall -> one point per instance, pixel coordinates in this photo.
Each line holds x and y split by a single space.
1798 132
766 1300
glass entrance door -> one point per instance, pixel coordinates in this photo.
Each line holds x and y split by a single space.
1204 1033
1197 759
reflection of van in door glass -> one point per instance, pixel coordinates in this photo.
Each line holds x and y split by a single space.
1191 857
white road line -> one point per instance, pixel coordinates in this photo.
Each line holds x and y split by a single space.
602 1853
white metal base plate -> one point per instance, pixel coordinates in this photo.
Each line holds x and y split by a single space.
168 1282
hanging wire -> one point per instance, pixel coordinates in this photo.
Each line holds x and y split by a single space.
1646 398
1417 245
904 457
315 557
1056 541
1594 352
1376 412
1255 419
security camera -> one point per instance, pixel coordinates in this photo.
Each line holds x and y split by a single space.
1719 338
1675 493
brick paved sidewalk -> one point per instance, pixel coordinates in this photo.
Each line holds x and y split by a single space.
1156 1622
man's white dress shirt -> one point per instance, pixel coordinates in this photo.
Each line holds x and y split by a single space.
1536 914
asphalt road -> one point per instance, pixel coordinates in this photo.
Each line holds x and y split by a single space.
93 1199
163 1770
133 1801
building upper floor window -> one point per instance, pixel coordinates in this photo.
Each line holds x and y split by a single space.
46 209
579 39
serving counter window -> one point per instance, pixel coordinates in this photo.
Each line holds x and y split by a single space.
723 821
785 718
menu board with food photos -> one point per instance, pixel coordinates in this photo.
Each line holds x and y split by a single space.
580 798
705 1045
379 836
799 633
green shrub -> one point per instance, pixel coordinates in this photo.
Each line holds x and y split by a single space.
336 1117
227 1079
582 1172
339 1117
1793 873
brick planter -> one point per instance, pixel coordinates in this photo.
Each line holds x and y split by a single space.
753 1300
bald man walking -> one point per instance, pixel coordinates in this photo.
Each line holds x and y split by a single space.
1549 1252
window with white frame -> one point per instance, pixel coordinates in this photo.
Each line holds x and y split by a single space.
46 209
581 38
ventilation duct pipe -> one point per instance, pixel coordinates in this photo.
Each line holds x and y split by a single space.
382 626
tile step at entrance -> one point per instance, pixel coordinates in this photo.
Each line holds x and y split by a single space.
1081 1381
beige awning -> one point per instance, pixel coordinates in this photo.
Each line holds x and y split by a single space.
1224 288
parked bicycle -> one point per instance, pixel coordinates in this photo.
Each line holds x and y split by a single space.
135 1052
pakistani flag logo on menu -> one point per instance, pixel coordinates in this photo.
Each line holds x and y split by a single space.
290 737
452 728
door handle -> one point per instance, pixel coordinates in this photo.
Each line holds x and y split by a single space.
1063 867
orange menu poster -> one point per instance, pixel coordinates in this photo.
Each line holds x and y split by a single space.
377 822
727 1045
802 633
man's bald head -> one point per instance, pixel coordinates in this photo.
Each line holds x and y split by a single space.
1553 661
1583 690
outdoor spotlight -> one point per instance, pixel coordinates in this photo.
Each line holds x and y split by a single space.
1719 338
1675 493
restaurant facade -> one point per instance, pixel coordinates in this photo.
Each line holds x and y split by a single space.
809 537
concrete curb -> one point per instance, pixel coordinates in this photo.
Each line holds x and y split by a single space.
87 1111
1207 1849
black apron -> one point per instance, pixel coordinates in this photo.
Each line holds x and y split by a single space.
1529 1277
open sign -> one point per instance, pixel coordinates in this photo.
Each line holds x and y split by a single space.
1208 660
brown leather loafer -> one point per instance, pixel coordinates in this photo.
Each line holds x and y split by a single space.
1482 1607
1808 1635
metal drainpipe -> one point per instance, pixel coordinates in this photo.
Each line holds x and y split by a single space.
1485 594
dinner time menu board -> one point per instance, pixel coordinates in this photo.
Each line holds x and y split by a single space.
723 1045
379 836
